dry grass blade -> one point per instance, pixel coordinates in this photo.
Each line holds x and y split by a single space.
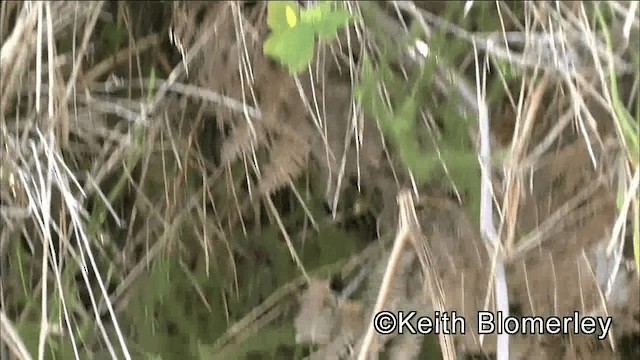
408 231
12 338
521 138
487 227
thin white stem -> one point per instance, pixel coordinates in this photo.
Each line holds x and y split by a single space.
487 227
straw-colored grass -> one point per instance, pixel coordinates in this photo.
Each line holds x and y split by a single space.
167 190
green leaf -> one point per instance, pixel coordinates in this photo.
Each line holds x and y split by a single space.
405 119
324 20
331 22
277 14
293 32
114 35
315 14
292 48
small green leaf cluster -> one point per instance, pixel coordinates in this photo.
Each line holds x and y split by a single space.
443 152
294 30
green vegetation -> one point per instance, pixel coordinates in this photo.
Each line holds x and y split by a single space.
140 230
293 31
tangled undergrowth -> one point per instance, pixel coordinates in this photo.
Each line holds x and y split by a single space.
170 190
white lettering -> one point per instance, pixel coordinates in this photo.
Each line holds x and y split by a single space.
403 322
485 323
490 323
